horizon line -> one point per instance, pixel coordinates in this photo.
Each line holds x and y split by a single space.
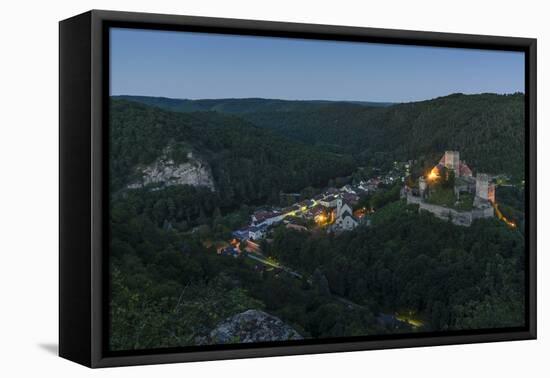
318 100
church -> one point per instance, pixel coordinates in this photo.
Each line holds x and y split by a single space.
344 219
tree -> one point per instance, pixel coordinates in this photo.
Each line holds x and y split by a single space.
320 283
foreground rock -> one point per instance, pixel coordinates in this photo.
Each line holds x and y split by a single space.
252 326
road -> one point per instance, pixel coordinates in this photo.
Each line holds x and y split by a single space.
396 319
273 264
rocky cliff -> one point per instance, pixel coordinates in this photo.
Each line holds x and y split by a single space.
165 171
252 326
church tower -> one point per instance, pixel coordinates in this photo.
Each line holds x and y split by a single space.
338 207
422 186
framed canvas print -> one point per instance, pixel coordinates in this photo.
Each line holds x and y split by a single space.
234 188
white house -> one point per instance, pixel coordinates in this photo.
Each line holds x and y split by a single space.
267 218
348 189
329 201
256 233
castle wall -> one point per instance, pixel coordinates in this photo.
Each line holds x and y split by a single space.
487 212
413 199
460 218
422 186
445 213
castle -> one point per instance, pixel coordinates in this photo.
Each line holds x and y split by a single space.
465 183
451 161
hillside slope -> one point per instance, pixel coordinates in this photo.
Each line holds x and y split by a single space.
248 163
488 129
240 105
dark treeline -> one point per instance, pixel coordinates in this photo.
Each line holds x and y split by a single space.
455 277
487 129
249 164
238 105
511 201
169 288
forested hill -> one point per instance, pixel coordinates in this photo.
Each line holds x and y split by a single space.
249 164
241 105
487 129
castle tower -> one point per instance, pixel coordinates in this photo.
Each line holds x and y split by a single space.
491 193
452 161
422 186
482 186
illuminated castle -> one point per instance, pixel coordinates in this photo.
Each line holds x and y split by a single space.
480 187
451 161
485 190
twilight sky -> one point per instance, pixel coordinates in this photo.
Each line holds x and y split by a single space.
196 66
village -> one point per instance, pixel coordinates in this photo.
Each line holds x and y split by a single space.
335 210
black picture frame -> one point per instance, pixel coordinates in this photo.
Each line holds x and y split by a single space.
83 182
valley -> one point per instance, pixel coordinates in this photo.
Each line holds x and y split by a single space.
298 216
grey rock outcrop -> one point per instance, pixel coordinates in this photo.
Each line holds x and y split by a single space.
167 172
252 326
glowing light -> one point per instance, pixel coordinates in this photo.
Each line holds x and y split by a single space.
501 216
321 219
409 317
433 175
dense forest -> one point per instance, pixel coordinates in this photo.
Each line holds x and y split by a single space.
249 164
486 128
169 287
460 278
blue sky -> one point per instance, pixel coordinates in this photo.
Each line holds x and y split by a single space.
196 66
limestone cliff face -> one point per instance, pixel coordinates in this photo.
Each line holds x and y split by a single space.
252 326
166 172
